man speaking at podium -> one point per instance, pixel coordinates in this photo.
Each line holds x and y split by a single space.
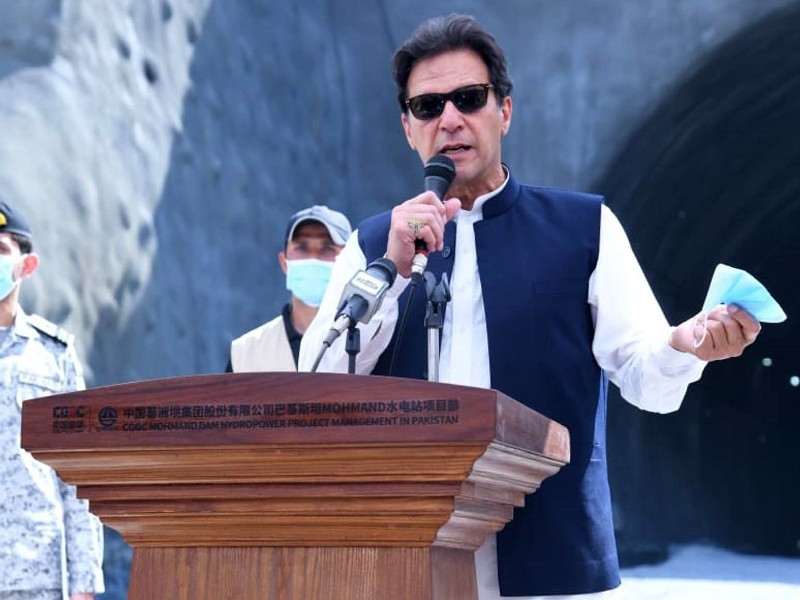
548 304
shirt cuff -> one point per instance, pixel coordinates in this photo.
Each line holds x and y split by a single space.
674 363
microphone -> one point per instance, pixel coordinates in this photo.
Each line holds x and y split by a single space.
439 173
362 296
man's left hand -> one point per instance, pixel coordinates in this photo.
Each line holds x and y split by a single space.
82 596
724 332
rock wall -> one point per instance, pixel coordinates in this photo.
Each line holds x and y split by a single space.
143 133
86 146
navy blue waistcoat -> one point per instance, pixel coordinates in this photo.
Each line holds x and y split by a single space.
536 249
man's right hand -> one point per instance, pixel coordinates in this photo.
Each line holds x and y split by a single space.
428 215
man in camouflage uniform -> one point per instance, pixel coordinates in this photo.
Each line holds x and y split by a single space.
51 547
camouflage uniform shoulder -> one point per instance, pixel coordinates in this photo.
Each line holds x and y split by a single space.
50 329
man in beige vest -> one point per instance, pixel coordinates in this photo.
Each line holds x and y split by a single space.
314 237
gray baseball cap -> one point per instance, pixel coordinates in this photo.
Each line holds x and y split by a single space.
335 222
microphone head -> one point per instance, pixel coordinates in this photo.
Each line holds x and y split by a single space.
386 268
439 173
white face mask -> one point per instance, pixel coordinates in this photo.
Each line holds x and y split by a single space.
7 283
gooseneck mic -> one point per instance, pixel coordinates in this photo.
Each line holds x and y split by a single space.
362 296
439 173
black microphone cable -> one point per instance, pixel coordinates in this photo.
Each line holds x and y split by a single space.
401 326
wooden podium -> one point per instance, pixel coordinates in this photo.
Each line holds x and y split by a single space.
284 486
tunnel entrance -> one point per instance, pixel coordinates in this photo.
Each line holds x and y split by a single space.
713 175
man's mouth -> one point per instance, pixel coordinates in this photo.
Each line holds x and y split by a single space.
454 149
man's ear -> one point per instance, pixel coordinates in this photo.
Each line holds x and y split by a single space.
505 113
30 262
282 261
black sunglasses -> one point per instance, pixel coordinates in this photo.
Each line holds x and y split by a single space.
466 99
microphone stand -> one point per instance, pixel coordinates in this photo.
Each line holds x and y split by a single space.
352 345
438 297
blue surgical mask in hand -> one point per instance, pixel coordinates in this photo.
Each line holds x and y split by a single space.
308 278
730 285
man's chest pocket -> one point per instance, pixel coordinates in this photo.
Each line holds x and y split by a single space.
35 385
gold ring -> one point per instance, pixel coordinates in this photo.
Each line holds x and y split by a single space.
416 225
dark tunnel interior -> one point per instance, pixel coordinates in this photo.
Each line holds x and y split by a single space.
711 176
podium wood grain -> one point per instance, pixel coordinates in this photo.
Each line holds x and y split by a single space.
297 486
361 573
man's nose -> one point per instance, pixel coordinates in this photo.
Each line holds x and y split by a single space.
451 117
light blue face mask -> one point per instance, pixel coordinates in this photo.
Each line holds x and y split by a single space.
308 278
7 283
730 285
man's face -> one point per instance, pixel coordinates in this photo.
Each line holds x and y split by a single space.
23 265
9 247
471 140
311 240
10 250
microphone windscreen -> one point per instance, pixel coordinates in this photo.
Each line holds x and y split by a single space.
439 173
386 267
